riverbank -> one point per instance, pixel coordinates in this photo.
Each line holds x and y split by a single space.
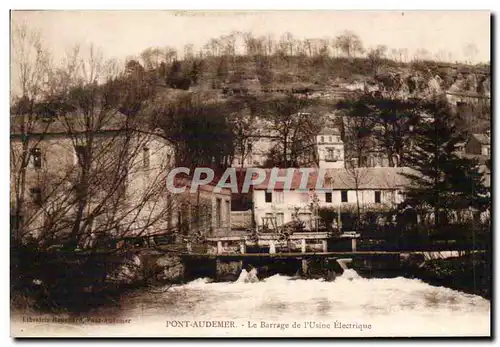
152 269
469 274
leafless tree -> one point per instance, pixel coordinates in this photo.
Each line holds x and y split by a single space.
349 43
245 126
355 178
376 57
31 68
295 128
89 168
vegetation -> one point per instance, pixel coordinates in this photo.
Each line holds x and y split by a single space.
211 104
445 183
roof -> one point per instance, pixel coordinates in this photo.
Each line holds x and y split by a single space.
482 138
329 131
338 179
70 122
74 124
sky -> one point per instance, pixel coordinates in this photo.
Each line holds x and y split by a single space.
120 34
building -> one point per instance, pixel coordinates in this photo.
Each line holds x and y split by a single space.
256 153
478 144
374 188
204 212
72 178
330 149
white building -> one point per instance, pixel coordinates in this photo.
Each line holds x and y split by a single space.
330 149
375 188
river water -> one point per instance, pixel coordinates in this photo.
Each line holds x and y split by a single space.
285 306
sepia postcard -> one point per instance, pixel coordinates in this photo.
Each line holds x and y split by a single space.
250 174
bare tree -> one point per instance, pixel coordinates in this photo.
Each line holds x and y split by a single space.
349 43
31 68
356 178
245 127
295 128
84 163
376 57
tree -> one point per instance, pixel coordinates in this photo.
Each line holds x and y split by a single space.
152 58
245 126
356 177
199 128
176 78
82 180
388 120
31 67
443 182
349 43
376 57
295 129
358 130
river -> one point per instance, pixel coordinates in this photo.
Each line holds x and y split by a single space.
285 306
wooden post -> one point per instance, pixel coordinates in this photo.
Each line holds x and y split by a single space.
272 247
303 245
325 246
353 244
243 247
304 266
219 247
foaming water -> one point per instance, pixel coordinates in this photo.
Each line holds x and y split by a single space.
248 277
369 307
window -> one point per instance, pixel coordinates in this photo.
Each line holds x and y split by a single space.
81 154
330 139
328 197
228 213
378 197
36 194
322 139
280 197
485 151
269 197
343 195
36 157
330 154
218 213
145 158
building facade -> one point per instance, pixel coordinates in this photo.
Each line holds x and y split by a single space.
110 182
373 188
